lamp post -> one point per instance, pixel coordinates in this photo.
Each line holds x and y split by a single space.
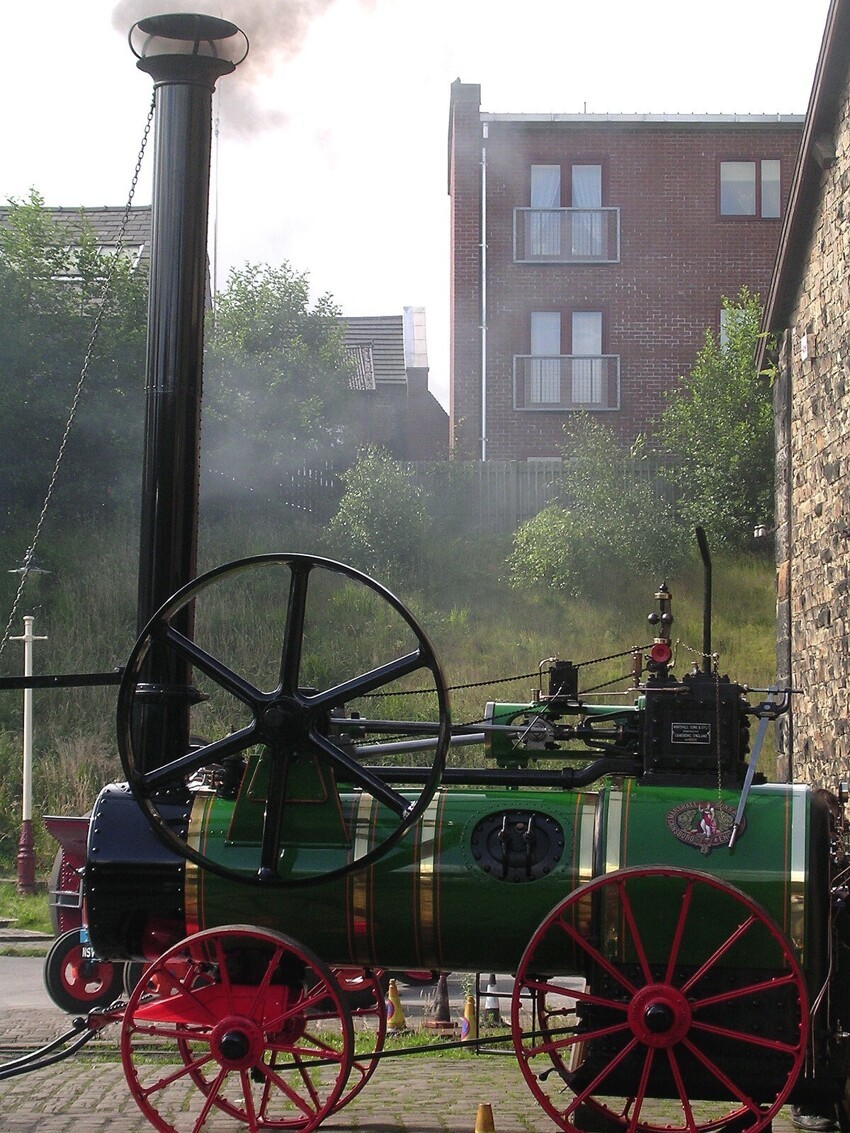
26 852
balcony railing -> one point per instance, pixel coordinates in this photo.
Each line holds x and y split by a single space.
566 236
567 382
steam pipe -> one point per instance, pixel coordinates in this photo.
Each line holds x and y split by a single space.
564 779
706 599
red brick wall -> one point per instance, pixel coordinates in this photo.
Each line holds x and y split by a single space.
677 258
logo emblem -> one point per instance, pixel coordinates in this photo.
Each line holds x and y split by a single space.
704 825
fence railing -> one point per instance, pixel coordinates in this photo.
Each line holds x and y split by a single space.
566 235
499 495
496 495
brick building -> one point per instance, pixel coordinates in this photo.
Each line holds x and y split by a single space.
590 252
808 310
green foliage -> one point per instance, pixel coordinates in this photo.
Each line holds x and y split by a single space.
382 524
604 528
10 795
718 427
49 297
276 380
29 912
545 551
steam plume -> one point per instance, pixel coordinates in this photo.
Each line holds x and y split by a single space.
275 30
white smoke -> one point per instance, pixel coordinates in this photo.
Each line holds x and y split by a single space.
275 29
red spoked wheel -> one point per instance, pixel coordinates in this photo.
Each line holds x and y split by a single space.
259 1028
363 991
662 1000
76 982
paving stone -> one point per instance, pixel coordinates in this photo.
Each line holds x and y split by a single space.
415 1094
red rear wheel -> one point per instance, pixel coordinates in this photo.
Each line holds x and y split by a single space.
663 1000
76 983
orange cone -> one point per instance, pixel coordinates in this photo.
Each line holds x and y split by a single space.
484 1119
469 1024
395 1015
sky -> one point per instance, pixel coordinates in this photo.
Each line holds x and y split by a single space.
332 135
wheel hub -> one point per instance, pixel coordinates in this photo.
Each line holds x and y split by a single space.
237 1042
659 1015
283 719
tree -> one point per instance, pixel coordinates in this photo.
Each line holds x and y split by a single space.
605 526
50 296
277 389
718 428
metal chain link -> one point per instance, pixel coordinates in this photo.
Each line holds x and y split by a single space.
520 677
84 370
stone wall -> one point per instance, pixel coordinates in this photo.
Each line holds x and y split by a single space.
813 497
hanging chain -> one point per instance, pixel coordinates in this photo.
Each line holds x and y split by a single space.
84 371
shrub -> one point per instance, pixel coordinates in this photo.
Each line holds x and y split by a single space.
605 527
382 524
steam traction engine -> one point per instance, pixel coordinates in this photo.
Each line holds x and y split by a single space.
677 927
677 931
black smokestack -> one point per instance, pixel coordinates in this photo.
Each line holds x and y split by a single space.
185 55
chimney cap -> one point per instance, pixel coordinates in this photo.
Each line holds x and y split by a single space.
189 34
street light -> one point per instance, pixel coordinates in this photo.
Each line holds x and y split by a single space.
26 851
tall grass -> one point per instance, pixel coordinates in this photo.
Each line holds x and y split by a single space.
483 632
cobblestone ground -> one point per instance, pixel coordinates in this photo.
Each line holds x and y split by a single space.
415 1094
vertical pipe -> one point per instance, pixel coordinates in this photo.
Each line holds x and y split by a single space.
484 292
184 80
706 599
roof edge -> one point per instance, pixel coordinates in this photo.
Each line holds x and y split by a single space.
651 119
796 228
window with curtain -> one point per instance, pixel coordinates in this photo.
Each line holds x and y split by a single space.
587 361
587 226
771 201
545 234
544 375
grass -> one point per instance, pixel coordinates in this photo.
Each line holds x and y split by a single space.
27 912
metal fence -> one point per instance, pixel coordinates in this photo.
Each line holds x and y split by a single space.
496 495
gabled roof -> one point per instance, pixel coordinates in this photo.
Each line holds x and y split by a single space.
105 224
383 337
817 151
